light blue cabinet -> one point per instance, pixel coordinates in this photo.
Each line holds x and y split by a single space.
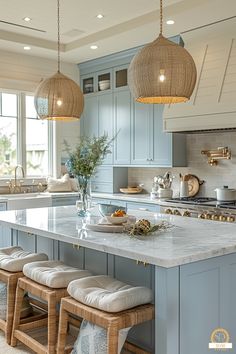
168 149
105 121
141 123
97 118
122 127
90 116
207 302
152 146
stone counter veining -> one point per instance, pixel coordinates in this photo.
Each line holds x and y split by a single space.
189 240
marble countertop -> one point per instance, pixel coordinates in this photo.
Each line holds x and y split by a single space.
189 240
140 198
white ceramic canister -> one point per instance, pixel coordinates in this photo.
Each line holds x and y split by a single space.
165 193
183 190
225 194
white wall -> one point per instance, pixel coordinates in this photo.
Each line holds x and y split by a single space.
23 72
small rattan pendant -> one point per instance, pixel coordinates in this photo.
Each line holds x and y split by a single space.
58 97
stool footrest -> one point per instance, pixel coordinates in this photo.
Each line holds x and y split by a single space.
32 325
30 342
3 325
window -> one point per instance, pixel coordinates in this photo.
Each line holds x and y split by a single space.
8 133
36 141
24 139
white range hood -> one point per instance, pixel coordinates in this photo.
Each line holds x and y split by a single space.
213 103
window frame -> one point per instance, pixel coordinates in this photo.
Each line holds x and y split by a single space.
21 137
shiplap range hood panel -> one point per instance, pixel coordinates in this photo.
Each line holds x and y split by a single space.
213 103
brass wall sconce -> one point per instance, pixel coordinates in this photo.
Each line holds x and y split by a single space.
219 154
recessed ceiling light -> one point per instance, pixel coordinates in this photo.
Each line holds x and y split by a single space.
27 47
27 19
170 22
100 16
93 47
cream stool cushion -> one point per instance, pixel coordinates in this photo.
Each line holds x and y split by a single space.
53 274
108 294
13 259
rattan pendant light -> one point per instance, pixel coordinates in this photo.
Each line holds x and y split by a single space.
59 97
162 72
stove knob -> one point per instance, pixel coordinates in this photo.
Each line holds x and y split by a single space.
186 213
168 211
208 216
201 216
176 212
215 217
223 218
230 218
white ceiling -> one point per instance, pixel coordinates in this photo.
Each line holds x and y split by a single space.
126 24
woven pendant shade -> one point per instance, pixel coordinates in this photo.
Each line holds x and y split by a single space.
162 72
59 98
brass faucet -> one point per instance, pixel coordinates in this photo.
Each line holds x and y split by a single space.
17 186
218 154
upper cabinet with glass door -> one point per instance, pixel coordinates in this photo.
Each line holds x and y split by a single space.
97 82
105 80
120 77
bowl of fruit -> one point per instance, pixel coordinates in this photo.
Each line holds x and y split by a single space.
118 217
108 209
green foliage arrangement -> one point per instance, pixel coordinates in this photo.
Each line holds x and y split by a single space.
88 155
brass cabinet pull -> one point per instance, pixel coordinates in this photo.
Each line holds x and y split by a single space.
76 247
145 264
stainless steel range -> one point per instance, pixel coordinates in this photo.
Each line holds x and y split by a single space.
201 207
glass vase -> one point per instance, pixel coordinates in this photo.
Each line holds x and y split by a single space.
84 189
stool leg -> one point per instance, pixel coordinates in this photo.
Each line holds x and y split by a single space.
62 332
52 324
16 321
11 293
112 340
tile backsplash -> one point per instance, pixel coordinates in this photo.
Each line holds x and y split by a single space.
224 174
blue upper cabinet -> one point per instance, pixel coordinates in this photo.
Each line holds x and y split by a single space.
122 127
105 120
89 125
138 128
141 123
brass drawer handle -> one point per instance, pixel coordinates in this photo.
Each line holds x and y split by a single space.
76 247
145 264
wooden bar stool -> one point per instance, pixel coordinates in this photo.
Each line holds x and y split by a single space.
12 260
48 282
108 303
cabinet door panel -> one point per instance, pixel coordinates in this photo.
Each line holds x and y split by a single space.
140 133
45 245
105 120
5 237
95 261
200 305
26 241
90 116
162 142
71 255
122 127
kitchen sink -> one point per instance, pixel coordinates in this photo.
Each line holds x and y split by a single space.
27 200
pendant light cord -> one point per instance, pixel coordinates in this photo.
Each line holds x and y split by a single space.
58 37
161 17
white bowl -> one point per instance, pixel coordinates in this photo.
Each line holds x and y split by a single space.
104 85
117 220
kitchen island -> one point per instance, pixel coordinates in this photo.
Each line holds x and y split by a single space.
191 268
